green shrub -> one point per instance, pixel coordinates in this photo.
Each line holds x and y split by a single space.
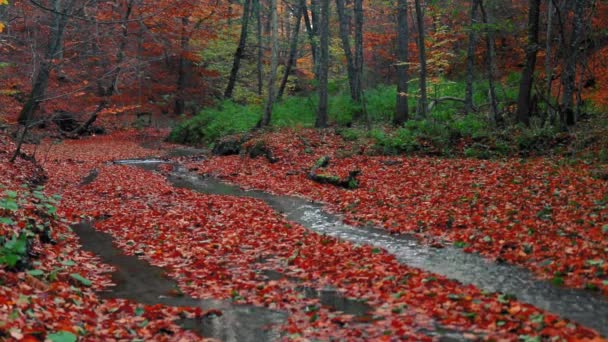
213 123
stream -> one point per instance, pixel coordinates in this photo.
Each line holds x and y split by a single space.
143 283
585 307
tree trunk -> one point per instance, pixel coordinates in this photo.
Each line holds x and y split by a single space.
469 106
402 109
260 50
240 50
422 104
293 50
180 104
527 75
314 11
36 96
274 62
310 31
570 63
116 73
323 68
359 63
490 63
548 62
344 20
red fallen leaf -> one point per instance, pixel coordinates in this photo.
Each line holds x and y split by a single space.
36 283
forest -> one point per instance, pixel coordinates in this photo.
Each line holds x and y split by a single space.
303 170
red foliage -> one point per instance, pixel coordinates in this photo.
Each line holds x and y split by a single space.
542 215
212 245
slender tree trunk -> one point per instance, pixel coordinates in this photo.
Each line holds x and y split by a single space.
260 50
527 75
344 20
548 62
469 106
274 62
490 64
314 11
293 50
116 73
310 31
180 103
570 63
423 102
359 63
58 25
402 109
323 68
240 50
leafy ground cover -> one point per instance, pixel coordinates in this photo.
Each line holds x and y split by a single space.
220 247
47 283
545 215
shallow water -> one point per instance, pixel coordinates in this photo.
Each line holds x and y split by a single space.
587 308
143 283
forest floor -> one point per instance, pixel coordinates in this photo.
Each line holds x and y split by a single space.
544 215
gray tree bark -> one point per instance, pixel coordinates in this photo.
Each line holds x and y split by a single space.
240 50
323 67
60 20
469 106
422 103
571 53
402 109
260 49
344 20
274 62
293 50
490 64
527 74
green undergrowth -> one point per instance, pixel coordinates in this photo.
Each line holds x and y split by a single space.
447 130
25 215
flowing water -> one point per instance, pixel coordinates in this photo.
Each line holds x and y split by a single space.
143 283
585 307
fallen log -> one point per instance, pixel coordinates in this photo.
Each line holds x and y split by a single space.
349 182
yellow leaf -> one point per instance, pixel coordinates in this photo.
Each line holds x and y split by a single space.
1 25
3 2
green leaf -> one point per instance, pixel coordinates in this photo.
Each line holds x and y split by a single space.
84 281
68 263
62 336
597 262
139 311
9 204
605 229
10 193
538 319
460 244
506 298
7 220
36 273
